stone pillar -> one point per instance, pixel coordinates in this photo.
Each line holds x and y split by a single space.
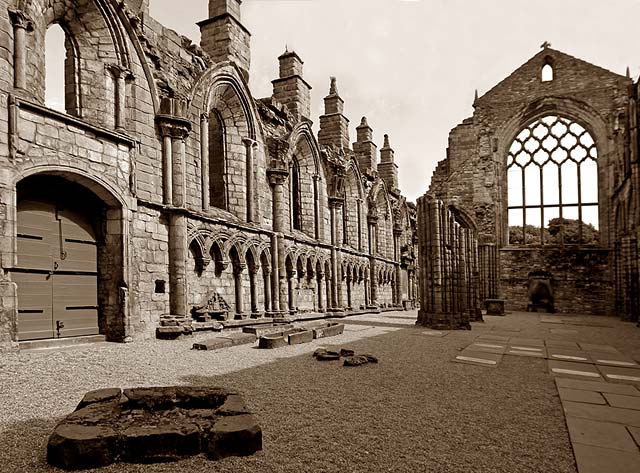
320 285
253 270
167 167
359 210
316 206
373 223
275 276
238 269
178 264
266 274
397 232
21 25
349 305
336 290
204 160
277 177
250 146
291 284
120 76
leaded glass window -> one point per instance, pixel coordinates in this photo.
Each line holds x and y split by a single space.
552 176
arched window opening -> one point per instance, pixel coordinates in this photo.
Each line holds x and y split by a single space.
217 162
345 220
62 90
56 56
547 73
294 187
552 179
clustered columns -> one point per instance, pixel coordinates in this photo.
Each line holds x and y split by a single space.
277 178
21 25
373 244
335 204
120 76
448 266
175 128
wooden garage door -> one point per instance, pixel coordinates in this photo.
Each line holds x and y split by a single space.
56 272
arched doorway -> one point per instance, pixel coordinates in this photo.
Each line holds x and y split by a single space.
67 266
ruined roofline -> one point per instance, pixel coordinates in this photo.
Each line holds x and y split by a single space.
546 52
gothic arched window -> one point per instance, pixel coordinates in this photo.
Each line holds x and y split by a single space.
61 71
217 162
552 176
294 188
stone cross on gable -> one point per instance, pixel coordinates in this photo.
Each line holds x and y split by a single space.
545 45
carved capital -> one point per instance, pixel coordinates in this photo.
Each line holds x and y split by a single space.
248 142
372 219
174 128
336 202
20 20
119 72
277 176
202 262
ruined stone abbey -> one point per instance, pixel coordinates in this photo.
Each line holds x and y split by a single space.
163 185
536 206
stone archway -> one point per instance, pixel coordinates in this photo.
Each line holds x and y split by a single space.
69 267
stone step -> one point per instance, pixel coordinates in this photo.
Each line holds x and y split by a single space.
56 343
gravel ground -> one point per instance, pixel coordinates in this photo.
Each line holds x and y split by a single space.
415 411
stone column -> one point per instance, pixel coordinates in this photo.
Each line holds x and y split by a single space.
250 146
320 285
21 25
316 206
349 306
291 284
253 270
336 290
266 272
373 300
397 232
120 76
274 285
277 178
178 264
204 160
359 210
238 269
167 166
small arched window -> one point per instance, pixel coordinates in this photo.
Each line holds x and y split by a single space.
217 162
61 71
547 73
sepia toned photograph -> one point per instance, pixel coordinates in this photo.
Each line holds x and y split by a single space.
324 236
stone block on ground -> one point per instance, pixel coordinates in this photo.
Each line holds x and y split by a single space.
154 424
213 344
331 330
302 336
272 341
346 352
240 338
172 333
322 354
356 360
261 330
235 436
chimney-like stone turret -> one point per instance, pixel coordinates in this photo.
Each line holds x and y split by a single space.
387 168
334 126
224 37
365 149
291 89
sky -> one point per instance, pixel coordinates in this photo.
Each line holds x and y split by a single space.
412 66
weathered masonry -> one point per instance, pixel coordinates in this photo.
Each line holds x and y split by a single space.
161 183
546 170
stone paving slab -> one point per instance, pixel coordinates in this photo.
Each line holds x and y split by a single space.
527 342
563 354
602 413
600 434
598 386
592 459
598 348
487 347
579 370
621 375
526 352
562 344
579 395
620 400
434 333
563 331
551 319
612 359
357 328
493 338
478 358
